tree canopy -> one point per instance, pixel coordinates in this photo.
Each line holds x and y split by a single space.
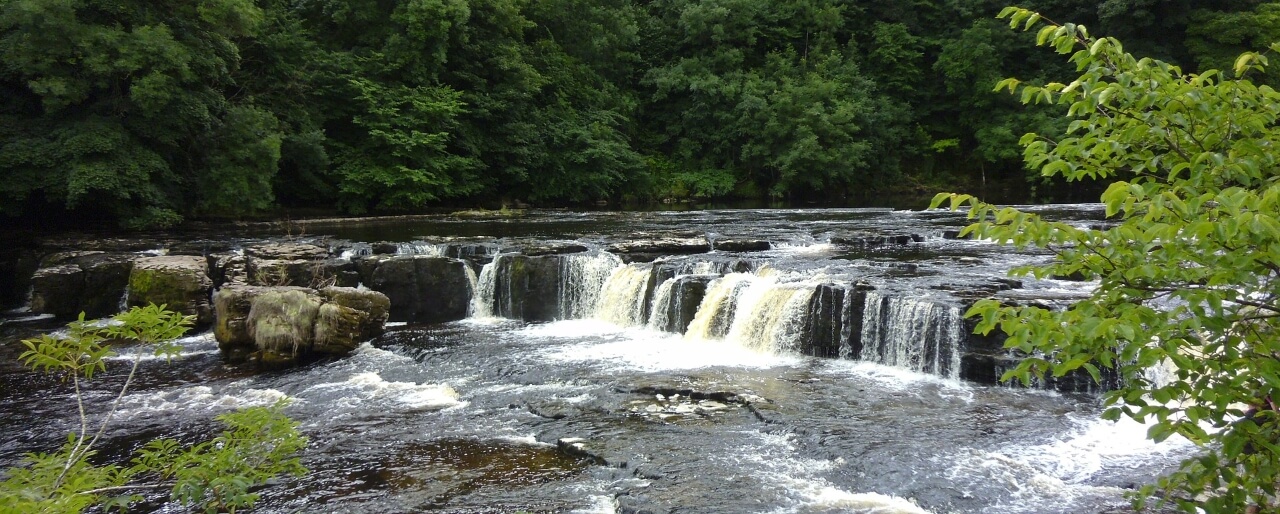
148 113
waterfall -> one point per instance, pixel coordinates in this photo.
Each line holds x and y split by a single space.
582 277
770 317
715 314
661 298
486 284
915 334
478 307
846 325
622 300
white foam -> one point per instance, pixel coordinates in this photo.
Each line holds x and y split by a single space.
199 344
1059 470
369 386
195 398
1094 445
831 499
645 350
893 378
774 457
805 249
600 504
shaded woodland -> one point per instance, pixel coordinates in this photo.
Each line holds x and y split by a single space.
147 113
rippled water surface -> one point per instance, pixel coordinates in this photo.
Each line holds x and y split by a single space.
588 415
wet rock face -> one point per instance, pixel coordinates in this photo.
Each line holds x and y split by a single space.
279 326
687 292
422 289
835 320
527 288
57 290
75 282
179 282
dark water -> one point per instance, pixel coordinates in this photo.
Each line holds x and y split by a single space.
493 415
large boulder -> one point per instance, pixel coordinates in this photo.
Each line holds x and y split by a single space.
230 267
278 326
348 317
57 289
423 289
75 282
282 324
180 282
297 264
232 304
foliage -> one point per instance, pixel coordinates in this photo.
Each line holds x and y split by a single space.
260 442
1188 271
149 113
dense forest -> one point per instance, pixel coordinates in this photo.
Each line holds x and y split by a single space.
147 113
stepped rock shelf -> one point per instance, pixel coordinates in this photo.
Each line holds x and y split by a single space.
876 285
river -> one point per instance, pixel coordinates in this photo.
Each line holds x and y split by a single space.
607 409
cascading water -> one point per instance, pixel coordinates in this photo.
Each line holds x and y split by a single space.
914 334
420 248
482 297
847 326
622 300
582 280
715 314
769 317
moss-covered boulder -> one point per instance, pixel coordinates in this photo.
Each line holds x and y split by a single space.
179 281
339 329
376 304
282 323
278 326
231 305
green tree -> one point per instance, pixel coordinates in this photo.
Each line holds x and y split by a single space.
1189 275
259 443
114 105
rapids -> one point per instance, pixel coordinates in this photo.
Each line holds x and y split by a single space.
636 399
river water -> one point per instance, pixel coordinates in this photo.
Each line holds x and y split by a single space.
606 412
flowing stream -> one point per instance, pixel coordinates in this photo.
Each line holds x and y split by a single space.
688 383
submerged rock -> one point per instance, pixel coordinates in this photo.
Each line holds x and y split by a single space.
742 245
179 282
668 246
553 249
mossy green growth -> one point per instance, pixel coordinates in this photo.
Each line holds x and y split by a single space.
283 321
338 329
161 287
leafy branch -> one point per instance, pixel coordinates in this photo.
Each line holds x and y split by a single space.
214 476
